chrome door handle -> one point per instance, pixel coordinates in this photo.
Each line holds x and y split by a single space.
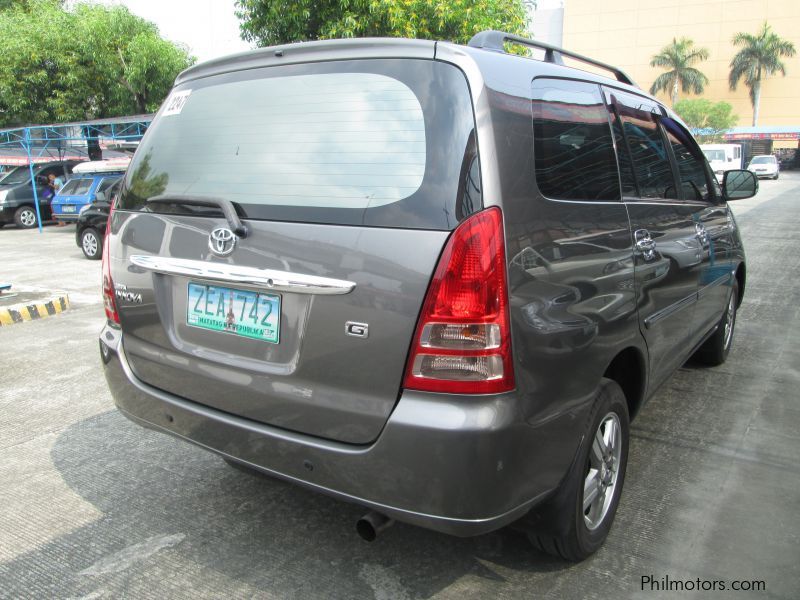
645 243
701 233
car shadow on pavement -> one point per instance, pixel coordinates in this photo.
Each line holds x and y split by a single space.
169 505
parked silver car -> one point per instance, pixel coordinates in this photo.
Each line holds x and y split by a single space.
421 277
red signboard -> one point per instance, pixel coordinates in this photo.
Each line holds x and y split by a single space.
793 135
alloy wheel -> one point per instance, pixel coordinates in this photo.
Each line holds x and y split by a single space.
601 478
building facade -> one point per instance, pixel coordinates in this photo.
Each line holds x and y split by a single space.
627 33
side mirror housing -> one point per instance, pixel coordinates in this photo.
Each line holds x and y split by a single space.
100 197
738 185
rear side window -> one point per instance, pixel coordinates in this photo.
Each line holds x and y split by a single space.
372 142
572 145
76 187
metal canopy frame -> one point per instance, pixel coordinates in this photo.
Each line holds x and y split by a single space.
36 140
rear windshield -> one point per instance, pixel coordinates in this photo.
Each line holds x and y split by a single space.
714 154
76 187
374 142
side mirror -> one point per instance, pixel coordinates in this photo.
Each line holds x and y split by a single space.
738 185
100 197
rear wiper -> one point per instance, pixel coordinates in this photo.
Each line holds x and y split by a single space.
226 206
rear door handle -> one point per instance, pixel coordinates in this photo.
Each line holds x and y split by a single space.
701 233
645 244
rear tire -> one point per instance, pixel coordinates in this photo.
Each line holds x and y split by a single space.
91 244
715 349
575 522
25 217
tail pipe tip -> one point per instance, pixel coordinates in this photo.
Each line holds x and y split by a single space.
372 524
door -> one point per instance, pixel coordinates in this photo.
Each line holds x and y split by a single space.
666 246
713 225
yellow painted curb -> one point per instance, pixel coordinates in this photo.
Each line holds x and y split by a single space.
17 313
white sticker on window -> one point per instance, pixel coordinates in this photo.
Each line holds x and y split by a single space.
175 103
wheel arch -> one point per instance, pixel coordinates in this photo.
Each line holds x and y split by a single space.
741 278
628 370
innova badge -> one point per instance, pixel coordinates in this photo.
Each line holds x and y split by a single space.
222 241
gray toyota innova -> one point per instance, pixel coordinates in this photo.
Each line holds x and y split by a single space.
430 279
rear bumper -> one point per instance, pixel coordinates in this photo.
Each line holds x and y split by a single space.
459 467
65 216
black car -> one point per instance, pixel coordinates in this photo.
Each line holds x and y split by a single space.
16 193
90 229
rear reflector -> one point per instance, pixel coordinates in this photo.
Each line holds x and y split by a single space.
109 303
462 344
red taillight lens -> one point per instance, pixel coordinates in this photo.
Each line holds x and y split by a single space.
462 343
109 302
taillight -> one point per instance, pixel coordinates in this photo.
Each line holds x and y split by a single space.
109 302
462 343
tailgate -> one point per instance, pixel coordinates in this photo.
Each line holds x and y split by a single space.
353 171
318 377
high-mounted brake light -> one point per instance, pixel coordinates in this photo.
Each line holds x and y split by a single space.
462 344
109 302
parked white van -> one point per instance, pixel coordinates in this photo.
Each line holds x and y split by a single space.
723 157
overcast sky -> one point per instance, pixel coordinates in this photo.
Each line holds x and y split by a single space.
208 27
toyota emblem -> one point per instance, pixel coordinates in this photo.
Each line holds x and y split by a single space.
222 241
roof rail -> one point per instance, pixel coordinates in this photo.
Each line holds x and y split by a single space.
495 41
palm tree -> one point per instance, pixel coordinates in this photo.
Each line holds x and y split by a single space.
759 57
678 58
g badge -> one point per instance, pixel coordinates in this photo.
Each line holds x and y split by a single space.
357 329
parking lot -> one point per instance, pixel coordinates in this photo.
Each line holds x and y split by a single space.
93 506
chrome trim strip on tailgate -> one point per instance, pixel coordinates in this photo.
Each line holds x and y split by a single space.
280 281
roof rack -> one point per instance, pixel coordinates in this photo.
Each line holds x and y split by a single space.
495 41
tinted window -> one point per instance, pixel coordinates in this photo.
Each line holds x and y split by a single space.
76 187
690 161
573 149
373 142
18 175
627 180
648 152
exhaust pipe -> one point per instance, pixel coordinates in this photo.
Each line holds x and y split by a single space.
371 524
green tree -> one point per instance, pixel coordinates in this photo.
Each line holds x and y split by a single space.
269 22
87 62
707 119
678 57
759 57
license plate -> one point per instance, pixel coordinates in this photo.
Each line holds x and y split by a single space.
68 208
238 312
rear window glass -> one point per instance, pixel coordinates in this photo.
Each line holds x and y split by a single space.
76 187
385 143
573 149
